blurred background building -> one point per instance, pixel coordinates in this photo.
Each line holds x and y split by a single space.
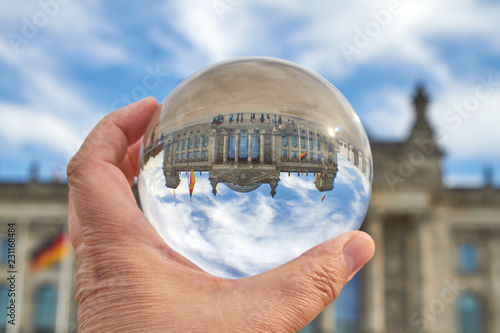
436 268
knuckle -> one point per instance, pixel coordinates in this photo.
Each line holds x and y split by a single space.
72 168
327 281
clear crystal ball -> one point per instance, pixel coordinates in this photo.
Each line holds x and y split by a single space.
251 162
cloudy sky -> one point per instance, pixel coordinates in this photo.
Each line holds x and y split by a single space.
239 234
65 64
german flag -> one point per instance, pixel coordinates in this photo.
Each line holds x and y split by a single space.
50 253
303 155
192 181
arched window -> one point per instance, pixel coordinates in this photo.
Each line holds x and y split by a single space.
45 309
470 314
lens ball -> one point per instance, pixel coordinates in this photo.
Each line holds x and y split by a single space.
251 162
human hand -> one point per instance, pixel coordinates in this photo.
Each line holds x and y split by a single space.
130 280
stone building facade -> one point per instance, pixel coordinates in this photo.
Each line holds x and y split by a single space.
437 265
436 268
244 155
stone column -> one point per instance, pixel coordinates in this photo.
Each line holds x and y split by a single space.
274 148
289 145
374 282
189 150
327 319
494 249
172 155
202 141
213 139
64 292
237 148
427 254
326 155
299 144
262 146
249 158
225 152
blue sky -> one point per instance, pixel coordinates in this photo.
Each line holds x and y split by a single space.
65 64
240 234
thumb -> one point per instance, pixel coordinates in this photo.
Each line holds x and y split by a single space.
292 295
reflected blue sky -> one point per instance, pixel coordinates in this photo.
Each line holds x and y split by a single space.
236 234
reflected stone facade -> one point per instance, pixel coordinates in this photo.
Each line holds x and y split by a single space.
247 153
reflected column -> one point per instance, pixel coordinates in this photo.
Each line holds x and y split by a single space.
274 147
202 141
225 152
237 147
289 145
261 146
249 156
326 154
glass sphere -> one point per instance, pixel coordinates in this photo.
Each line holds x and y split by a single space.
251 162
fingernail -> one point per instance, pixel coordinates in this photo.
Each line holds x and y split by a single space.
357 252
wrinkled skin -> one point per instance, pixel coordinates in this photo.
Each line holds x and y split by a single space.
129 280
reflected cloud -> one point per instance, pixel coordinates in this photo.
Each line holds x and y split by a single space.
236 234
269 184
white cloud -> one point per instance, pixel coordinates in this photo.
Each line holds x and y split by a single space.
250 232
192 35
388 113
467 125
54 113
21 125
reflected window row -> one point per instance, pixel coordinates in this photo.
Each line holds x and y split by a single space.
189 143
294 141
243 146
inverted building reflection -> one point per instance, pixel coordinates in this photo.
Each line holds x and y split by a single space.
245 151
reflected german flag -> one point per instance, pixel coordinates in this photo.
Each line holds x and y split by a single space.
192 181
50 253
303 155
